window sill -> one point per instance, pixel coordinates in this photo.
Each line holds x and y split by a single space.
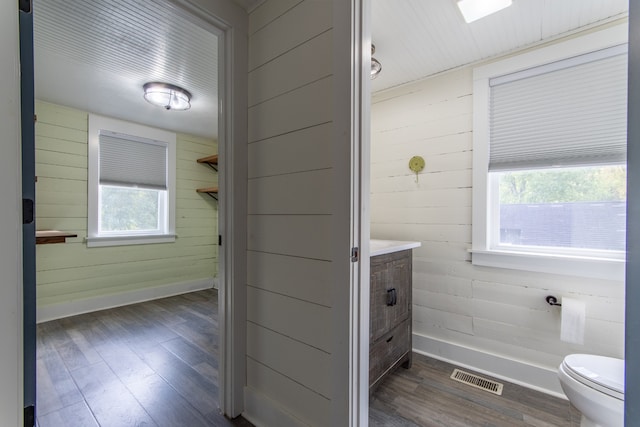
96 242
599 268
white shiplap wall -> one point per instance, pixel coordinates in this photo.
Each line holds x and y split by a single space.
289 302
494 320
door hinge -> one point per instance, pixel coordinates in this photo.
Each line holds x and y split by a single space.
355 254
27 211
25 6
29 416
219 239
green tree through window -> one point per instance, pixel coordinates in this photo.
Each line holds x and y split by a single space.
587 184
128 209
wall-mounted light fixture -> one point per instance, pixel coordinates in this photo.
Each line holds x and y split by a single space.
167 96
476 9
376 67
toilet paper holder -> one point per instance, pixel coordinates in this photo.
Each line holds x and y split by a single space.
551 300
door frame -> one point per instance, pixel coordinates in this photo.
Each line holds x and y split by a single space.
232 22
28 178
632 317
361 167
352 123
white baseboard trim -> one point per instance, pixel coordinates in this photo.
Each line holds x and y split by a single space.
261 411
517 372
103 302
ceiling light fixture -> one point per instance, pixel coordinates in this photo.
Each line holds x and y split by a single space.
376 67
167 96
476 9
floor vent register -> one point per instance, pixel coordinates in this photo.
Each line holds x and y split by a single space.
477 382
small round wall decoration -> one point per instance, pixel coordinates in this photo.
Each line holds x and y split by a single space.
416 164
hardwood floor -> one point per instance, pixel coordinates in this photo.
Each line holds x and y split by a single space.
425 396
155 364
149 364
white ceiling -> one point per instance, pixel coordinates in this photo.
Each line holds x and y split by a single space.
96 55
419 38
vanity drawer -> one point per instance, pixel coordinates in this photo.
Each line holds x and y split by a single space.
389 350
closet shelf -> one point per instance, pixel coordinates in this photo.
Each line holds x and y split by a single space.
210 160
212 191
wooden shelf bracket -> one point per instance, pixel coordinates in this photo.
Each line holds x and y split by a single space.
211 191
212 161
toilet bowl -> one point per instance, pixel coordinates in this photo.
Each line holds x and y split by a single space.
595 386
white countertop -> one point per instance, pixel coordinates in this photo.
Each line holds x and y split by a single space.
381 247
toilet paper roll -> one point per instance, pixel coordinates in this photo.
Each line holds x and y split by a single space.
573 319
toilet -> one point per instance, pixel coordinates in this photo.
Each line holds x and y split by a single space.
595 386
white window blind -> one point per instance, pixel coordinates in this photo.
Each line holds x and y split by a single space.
132 161
567 113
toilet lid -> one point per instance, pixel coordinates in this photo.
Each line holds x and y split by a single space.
605 374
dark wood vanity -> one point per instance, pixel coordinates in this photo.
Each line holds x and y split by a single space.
390 312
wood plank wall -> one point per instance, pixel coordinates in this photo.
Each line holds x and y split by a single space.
289 303
72 271
495 311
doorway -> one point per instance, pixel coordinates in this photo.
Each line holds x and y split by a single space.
60 118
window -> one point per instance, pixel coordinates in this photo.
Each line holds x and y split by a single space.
549 190
131 183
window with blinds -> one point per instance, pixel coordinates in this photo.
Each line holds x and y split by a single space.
550 157
131 183
567 113
557 152
131 161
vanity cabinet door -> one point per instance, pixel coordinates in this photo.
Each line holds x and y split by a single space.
390 292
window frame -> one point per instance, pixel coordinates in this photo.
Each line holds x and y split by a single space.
94 238
483 193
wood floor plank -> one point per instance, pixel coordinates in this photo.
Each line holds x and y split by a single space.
189 353
165 405
195 335
164 315
383 416
48 335
137 319
98 333
74 357
193 387
125 363
77 415
88 354
56 388
208 371
110 401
